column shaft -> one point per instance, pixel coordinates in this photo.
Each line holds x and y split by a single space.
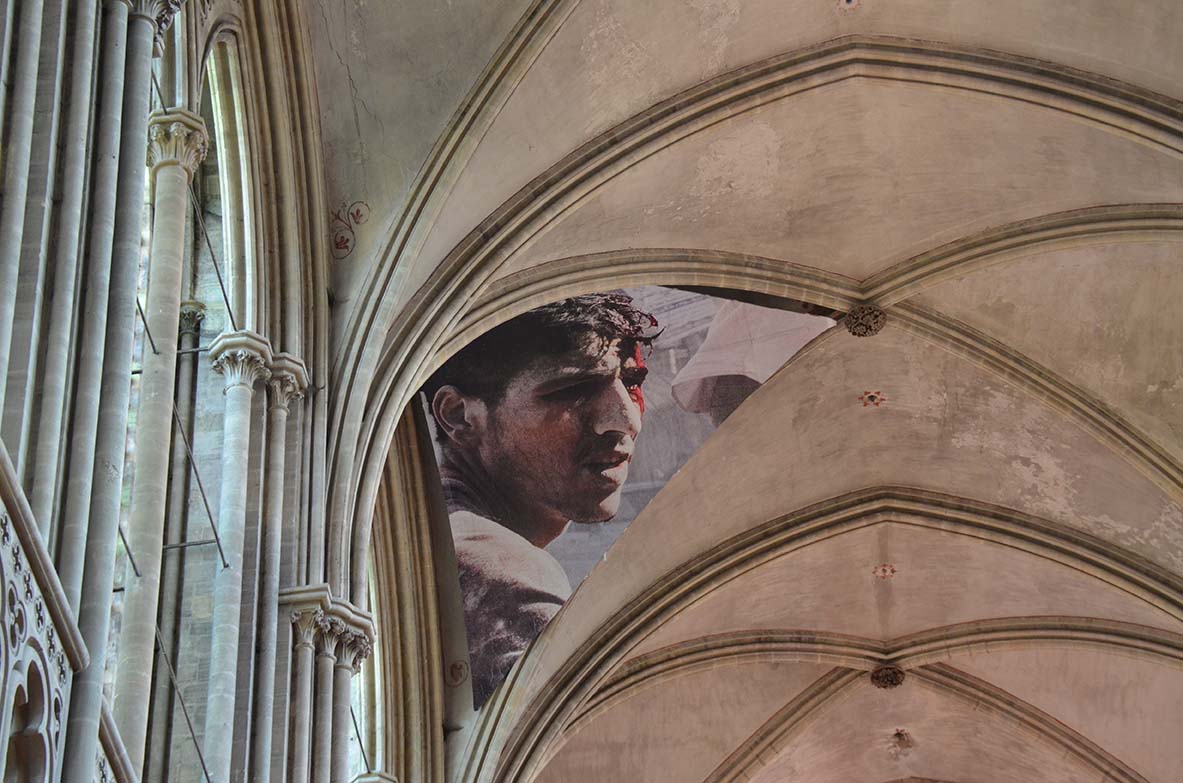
84 423
18 144
322 724
342 718
269 579
288 381
177 143
241 368
173 568
65 244
102 528
302 699
41 206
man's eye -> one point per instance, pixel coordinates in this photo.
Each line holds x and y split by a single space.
572 391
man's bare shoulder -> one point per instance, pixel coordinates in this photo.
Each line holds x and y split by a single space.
489 551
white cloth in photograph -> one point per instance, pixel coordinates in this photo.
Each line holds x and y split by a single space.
744 339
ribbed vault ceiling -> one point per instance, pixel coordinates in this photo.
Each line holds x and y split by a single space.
1006 178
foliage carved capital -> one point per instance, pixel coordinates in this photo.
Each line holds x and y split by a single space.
176 137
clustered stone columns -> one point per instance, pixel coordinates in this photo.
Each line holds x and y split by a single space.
93 497
177 144
243 358
340 638
65 264
18 143
289 378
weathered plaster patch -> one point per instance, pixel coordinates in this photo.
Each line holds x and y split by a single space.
610 54
716 18
744 162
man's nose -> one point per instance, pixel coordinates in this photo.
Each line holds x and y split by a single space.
617 411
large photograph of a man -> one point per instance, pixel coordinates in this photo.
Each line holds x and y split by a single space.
538 426
536 423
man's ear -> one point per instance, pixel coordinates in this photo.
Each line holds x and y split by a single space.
461 417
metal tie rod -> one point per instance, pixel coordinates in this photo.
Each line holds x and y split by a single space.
201 224
147 331
361 744
172 676
201 487
184 544
130 558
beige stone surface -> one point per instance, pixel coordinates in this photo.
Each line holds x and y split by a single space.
614 58
951 740
937 578
669 731
1096 315
1129 706
852 176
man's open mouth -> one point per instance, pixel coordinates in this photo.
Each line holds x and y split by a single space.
608 462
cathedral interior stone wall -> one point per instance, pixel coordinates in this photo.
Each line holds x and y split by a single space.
943 542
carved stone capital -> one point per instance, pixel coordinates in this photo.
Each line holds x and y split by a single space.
192 314
304 627
289 379
354 649
160 13
330 633
241 357
176 137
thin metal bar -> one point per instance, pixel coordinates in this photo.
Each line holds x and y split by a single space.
199 349
201 224
130 558
147 331
136 371
197 475
172 676
360 742
119 589
212 258
184 544
159 92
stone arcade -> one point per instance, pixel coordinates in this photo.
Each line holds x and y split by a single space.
236 236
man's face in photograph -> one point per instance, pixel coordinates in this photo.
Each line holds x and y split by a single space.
560 437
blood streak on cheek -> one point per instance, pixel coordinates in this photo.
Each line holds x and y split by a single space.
635 393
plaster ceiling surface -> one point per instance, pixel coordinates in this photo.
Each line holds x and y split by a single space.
634 740
851 176
390 75
1141 698
614 58
891 580
948 738
1092 314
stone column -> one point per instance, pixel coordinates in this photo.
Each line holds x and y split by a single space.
289 378
354 649
172 570
102 523
305 626
65 244
329 637
177 144
18 145
84 422
243 358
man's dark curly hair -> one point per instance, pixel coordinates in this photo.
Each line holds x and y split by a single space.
484 367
